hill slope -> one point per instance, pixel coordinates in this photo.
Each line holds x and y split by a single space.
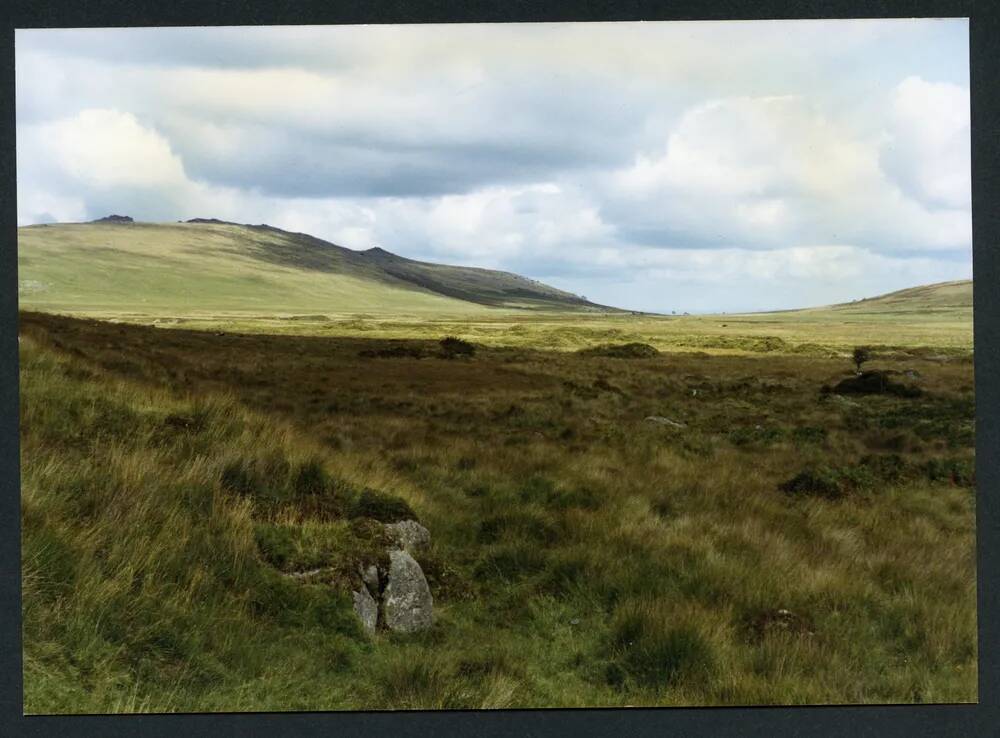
210 266
483 286
929 298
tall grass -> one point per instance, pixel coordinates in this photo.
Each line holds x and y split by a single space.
581 556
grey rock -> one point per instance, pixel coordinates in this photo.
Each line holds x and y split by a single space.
307 574
409 535
366 608
660 420
843 401
369 575
407 602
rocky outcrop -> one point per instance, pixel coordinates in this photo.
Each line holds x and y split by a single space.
409 535
114 219
369 575
366 608
398 599
407 603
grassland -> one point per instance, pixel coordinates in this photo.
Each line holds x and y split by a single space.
785 546
198 269
257 279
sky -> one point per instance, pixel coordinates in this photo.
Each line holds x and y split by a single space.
669 166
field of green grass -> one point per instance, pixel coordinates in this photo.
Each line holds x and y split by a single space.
185 269
786 545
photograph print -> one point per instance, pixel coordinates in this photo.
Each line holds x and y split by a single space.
486 366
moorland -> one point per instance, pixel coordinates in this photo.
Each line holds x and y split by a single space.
625 509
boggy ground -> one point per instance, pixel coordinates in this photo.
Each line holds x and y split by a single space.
784 546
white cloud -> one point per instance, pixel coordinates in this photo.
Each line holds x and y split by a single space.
927 147
109 148
763 172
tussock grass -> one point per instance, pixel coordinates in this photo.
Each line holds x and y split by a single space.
581 556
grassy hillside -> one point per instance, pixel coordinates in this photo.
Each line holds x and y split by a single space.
782 546
942 297
484 286
216 268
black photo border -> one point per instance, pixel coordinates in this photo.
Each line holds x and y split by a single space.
892 720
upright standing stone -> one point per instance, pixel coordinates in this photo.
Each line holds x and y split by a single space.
367 609
407 602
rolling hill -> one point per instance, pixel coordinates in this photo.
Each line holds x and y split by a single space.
207 266
925 299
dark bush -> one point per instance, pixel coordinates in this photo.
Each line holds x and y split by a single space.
452 348
961 472
239 477
622 351
836 482
310 479
809 434
822 481
886 467
381 506
605 386
393 352
875 383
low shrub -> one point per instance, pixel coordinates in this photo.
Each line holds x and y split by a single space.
622 351
960 472
381 506
835 482
310 478
453 348
809 434
875 383
393 352
830 482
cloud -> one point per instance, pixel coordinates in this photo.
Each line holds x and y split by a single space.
108 148
927 148
761 172
707 163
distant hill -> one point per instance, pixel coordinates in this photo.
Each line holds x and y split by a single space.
930 298
483 286
209 266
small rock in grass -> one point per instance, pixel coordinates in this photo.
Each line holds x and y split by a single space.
660 420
